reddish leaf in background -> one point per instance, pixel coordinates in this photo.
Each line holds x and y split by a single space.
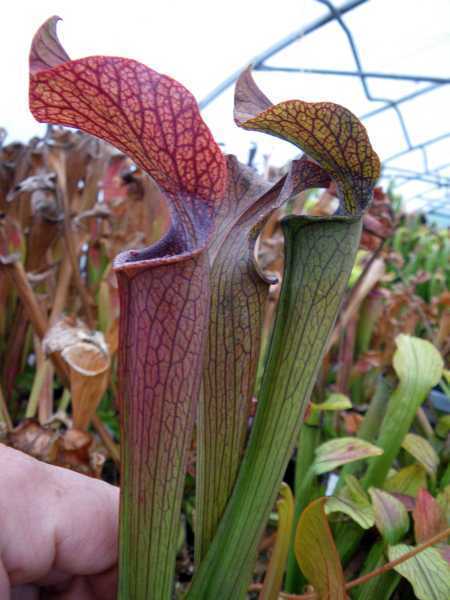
429 518
11 239
317 554
378 221
112 183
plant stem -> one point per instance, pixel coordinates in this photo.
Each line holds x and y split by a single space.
319 257
419 368
84 295
71 243
371 274
107 439
62 288
44 396
371 423
274 574
17 274
163 321
305 492
38 384
4 412
37 318
381 587
424 424
64 401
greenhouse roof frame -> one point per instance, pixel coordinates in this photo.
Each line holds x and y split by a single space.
438 206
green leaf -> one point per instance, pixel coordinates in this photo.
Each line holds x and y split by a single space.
307 489
419 367
427 572
443 426
391 518
443 499
333 402
232 349
275 571
445 479
317 555
377 588
354 502
238 298
408 480
370 425
361 513
422 451
414 352
355 489
319 255
341 451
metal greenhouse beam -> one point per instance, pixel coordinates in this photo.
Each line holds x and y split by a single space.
283 43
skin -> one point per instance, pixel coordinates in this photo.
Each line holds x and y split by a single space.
58 532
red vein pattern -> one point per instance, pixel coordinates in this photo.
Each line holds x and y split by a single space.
164 289
319 257
238 300
150 117
327 132
164 313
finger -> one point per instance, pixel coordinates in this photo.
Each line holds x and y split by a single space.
101 587
4 583
56 578
104 586
24 592
58 520
78 590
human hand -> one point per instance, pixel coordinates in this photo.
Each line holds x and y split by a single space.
58 532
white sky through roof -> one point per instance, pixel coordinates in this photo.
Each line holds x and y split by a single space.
201 43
